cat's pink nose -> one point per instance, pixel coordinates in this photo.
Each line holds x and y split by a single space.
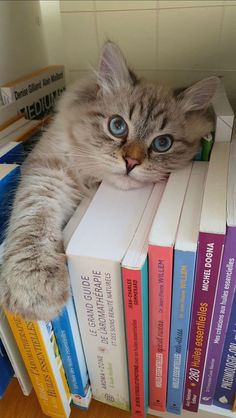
130 163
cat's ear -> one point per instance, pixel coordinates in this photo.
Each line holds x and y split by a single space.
113 71
199 95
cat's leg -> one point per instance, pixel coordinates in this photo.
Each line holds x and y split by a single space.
34 280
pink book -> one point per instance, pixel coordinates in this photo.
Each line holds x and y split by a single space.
210 249
135 291
161 244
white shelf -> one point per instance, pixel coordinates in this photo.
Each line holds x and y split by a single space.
205 411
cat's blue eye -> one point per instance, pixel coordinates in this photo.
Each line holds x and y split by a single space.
162 143
118 127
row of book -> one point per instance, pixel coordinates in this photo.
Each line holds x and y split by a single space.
57 382
167 241
13 133
55 363
146 278
128 332
34 95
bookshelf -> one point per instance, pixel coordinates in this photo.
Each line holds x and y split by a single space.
16 405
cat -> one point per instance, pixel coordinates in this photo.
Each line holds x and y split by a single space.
112 126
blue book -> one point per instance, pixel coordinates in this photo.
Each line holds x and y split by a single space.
185 253
12 153
226 381
68 338
9 179
6 369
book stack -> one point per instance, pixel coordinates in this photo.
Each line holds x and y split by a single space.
51 353
183 249
151 324
34 95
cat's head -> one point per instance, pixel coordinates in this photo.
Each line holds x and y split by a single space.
132 133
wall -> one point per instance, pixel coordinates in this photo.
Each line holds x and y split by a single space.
176 42
22 44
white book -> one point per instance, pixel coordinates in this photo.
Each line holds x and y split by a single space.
26 85
8 112
22 133
224 115
164 228
94 254
13 353
13 127
213 216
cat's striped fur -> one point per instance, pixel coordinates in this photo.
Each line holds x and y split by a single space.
75 154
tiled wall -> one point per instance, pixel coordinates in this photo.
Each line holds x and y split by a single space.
172 41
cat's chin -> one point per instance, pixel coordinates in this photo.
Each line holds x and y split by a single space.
125 182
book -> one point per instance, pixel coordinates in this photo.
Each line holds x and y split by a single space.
226 381
161 244
13 126
94 262
210 248
224 115
69 342
37 345
225 290
234 403
185 253
8 114
14 355
135 291
7 371
26 85
9 178
67 330
12 153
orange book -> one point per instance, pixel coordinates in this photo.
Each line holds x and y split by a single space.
161 245
38 348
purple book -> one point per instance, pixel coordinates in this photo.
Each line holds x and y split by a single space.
221 314
207 271
210 249
226 381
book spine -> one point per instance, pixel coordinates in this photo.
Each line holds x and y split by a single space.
38 353
135 290
183 282
97 290
226 382
220 318
8 114
80 392
14 355
207 272
32 84
41 102
15 156
8 186
7 371
234 403
160 286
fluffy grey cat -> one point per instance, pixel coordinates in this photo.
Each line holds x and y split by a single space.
110 127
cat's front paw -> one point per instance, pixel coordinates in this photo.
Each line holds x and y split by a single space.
35 289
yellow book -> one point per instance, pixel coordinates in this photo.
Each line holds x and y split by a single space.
234 404
37 345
